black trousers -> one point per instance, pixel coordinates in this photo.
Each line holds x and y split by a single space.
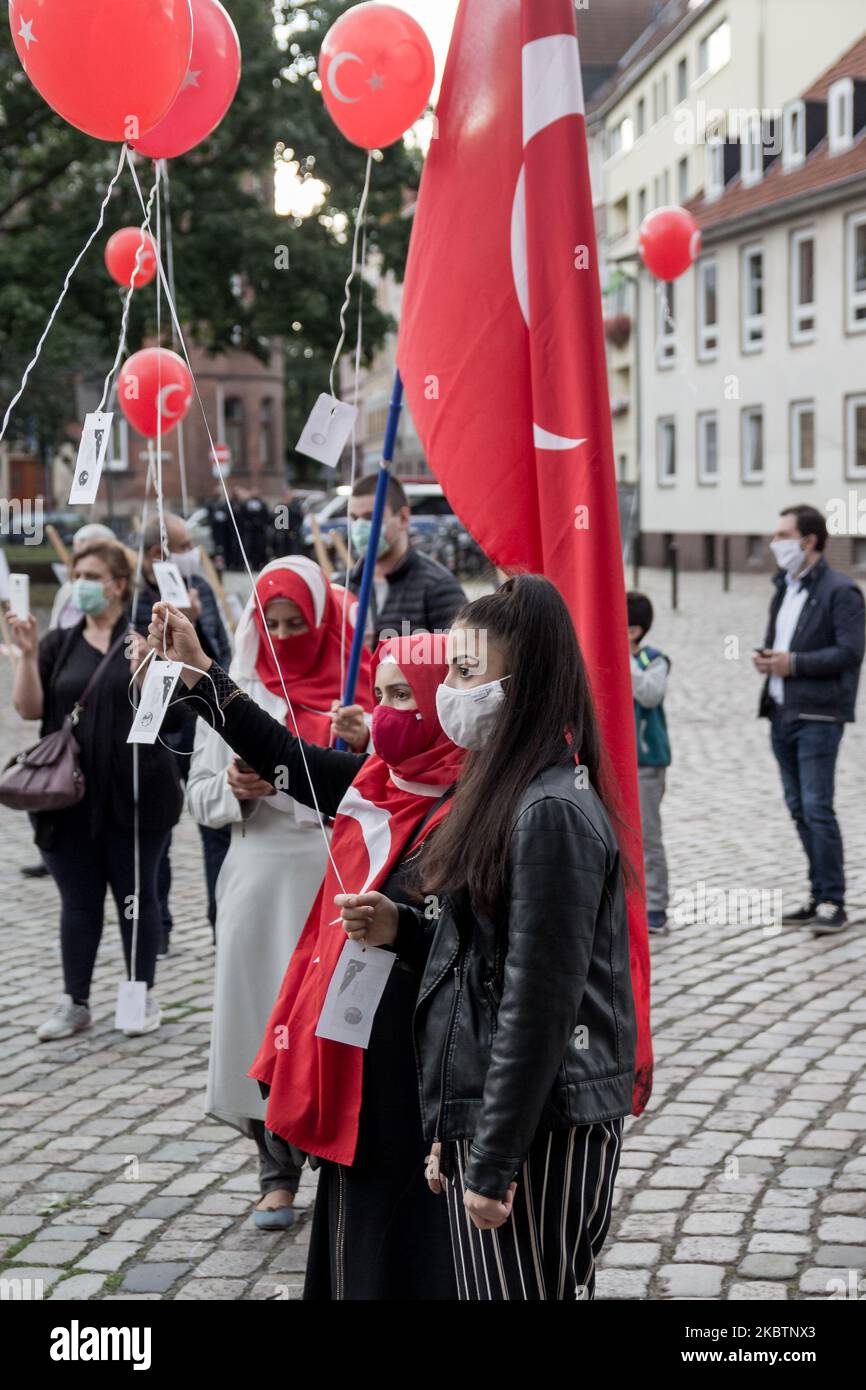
548 1247
84 869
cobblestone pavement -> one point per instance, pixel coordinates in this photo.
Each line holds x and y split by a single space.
745 1179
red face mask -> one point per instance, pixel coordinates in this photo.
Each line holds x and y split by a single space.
398 734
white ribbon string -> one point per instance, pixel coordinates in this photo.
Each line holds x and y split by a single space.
359 222
111 378
183 347
352 470
69 274
162 165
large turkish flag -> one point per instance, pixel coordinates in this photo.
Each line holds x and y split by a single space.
501 351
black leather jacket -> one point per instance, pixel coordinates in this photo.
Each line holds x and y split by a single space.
526 1023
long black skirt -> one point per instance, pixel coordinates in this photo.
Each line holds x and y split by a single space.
378 1231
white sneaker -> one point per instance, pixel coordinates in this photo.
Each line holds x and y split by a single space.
152 1018
67 1018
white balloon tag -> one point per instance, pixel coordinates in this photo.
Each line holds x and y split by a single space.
326 433
131 1006
156 691
92 449
170 584
356 987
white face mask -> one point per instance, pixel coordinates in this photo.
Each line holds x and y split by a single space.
187 561
788 555
468 716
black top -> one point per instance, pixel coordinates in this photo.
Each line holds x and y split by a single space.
66 663
273 752
423 596
827 647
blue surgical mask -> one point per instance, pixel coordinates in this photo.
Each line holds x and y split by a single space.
360 531
88 595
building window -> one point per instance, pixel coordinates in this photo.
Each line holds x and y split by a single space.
641 117
708 309
751 152
661 99
641 205
666 343
802 287
855 437
856 274
708 447
752 276
621 137
714 49
666 451
266 433
752 445
840 102
234 431
662 190
802 441
858 552
794 136
714 172
683 180
682 79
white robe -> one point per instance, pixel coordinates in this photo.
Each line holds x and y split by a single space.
265 890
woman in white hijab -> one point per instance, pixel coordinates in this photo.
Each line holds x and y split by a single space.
277 857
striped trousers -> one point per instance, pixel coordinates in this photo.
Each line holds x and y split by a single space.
548 1247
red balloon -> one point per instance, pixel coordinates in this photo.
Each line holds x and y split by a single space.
376 68
208 88
120 253
112 68
670 241
154 382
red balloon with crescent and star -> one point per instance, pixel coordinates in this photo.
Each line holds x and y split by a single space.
376 67
208 88
154 384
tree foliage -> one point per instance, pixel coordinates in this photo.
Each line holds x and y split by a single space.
231 289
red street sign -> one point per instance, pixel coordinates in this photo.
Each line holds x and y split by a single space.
222 454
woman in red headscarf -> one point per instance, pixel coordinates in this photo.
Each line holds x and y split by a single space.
276 844
377 1230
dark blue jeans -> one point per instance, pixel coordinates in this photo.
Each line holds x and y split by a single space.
806 751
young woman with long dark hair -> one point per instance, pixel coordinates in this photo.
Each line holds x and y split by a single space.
524 1027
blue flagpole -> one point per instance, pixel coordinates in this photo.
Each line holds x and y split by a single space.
375 531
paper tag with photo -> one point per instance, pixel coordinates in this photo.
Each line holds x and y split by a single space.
171 586
356 987
92 449
19 595
326 433
4 576
131 1006
157 690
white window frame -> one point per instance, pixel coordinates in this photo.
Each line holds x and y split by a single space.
640 125
748 473
855 298
707 477
852 404
751 152
800 473
750 322
623 134
708 334
794 153
801 313
666 427
642 204
666 340
714 168
682 67
841 97
705 46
